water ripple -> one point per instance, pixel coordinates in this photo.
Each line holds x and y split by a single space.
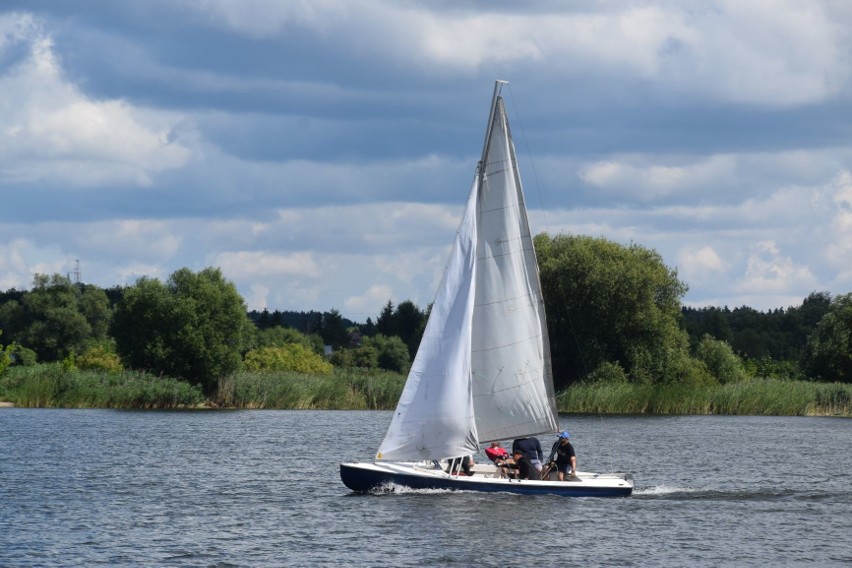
261 488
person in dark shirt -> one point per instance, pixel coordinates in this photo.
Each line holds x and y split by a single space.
531 448
523 465
566 458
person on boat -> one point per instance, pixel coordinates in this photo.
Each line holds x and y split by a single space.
466 463
521 463
496 452
566 458
531 448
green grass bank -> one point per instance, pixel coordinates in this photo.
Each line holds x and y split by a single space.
769 397
52 385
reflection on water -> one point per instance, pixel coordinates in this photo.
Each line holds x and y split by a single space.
261 488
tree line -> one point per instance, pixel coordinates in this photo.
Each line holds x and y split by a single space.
614 313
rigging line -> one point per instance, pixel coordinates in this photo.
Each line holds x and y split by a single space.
529 158
543 211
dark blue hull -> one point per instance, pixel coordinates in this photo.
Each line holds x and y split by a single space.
363 480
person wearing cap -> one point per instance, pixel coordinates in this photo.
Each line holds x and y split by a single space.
566 459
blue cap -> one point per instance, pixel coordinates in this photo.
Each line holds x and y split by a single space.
564 435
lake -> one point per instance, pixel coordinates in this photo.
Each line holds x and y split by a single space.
261 488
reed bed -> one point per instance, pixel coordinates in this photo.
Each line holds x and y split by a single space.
345 389
54 386
752 397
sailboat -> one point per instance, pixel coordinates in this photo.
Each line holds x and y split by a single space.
482 372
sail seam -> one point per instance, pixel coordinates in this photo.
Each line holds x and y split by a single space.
518 342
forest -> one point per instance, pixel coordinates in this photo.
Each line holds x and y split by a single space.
615 317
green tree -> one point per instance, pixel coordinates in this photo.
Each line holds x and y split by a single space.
406 321
385 323
56 318
94 304
193 327
5 358
410 324
829 352
608 302
333 330
720 360
13 317
55 322
392 352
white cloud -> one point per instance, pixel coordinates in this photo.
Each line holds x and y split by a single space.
716 178
360 224
51 131
778 53
650 182
22 258
129 272
770 273
694 264
376 294
247 265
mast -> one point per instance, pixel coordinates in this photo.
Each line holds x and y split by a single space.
498 86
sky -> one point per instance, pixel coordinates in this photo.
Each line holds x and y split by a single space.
320 152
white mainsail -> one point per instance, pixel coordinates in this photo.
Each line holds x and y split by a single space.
482 371
512 380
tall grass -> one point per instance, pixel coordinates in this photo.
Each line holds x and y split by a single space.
345 389
752 397
52 385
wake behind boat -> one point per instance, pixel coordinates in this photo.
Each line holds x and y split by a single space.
482 372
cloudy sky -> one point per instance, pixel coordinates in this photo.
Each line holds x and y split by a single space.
320 151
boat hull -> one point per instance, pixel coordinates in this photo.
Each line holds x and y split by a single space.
380 477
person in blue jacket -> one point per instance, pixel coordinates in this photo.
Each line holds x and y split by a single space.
531 448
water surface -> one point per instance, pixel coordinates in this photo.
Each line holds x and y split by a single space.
261 488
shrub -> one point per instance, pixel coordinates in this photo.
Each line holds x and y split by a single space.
364 357
98 358
22 356
293 357
608 372
720 360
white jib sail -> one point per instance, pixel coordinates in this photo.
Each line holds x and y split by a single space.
434 416
512 379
